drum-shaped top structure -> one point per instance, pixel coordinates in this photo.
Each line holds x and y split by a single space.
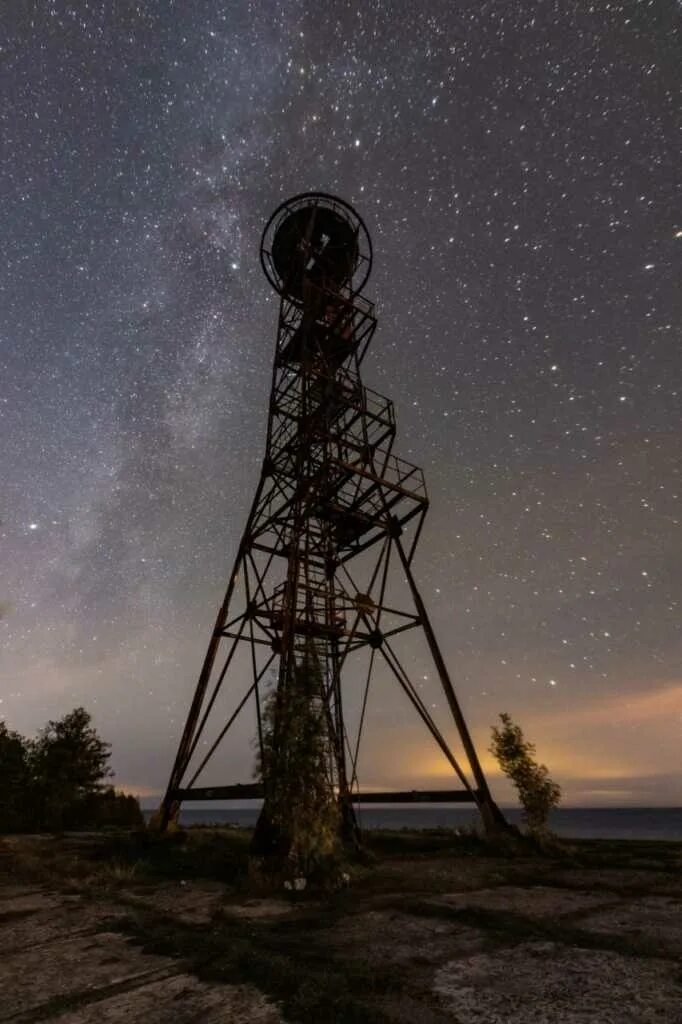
315 241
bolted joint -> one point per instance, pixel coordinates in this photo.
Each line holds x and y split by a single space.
376 639
395 530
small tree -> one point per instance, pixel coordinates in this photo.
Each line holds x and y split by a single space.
68 764
516 756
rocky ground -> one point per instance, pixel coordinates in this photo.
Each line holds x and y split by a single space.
434 929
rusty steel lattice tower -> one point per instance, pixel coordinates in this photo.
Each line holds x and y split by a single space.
325 561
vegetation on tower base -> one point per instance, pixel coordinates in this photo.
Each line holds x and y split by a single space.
60 780
297 839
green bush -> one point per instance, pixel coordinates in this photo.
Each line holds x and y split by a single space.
516 756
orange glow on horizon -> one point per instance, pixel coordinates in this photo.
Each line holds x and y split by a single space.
583 749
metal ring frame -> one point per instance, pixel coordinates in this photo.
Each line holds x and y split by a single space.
364 265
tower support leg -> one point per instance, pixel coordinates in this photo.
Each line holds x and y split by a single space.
494 821
169 805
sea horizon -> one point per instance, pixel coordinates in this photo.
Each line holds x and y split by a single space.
637 823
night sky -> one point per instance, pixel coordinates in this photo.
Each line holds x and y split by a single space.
516 167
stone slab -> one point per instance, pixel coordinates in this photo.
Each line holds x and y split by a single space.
35 918
188 902
392 937
654 920
538 902
77 964
618 880
260 909
181 999
545 983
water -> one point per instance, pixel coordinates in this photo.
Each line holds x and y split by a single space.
573 823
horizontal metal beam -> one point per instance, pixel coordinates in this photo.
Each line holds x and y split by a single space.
254 791
416 796
239 791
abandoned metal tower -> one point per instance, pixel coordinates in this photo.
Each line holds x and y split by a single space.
325 561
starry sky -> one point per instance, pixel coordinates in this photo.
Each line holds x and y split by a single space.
515 165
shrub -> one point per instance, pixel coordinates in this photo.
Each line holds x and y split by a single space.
516 756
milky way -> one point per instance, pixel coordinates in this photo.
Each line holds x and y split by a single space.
515 164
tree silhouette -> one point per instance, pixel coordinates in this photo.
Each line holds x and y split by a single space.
60 779
68 764
14 780
516 756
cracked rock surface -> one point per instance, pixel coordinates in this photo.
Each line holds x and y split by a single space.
433 930
546 983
